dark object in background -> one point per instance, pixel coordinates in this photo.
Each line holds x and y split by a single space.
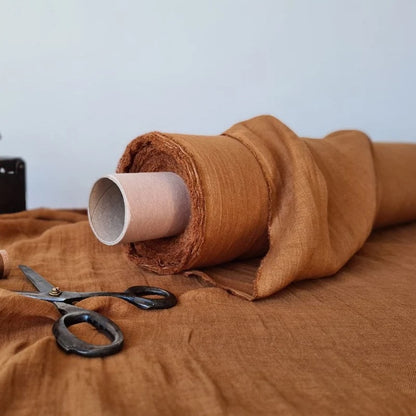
12 185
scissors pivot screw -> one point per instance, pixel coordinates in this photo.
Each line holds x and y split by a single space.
55 291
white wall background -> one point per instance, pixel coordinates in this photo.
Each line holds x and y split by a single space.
80 78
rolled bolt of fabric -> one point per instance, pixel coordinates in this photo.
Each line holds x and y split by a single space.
268 207
4 264
124 208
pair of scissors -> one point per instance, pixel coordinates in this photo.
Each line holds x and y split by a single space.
72 315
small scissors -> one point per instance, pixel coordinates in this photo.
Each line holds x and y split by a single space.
72 315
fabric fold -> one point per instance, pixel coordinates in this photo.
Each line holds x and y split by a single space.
268 207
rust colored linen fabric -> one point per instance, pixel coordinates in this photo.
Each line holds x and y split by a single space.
298 208
343 345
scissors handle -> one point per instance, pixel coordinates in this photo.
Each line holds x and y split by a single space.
71 344
136 296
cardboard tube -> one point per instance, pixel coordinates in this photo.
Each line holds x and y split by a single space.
131 207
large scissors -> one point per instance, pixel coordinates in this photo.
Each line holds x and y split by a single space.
72 315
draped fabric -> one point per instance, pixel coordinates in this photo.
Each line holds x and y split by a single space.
341 345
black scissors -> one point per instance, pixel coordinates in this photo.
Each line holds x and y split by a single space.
72 315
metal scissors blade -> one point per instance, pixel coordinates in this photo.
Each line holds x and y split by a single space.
36 279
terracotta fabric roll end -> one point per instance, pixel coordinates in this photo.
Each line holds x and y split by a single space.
228 200
4 264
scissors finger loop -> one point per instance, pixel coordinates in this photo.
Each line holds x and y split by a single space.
139 293
70 343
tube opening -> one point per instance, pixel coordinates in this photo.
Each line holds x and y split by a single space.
107 211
